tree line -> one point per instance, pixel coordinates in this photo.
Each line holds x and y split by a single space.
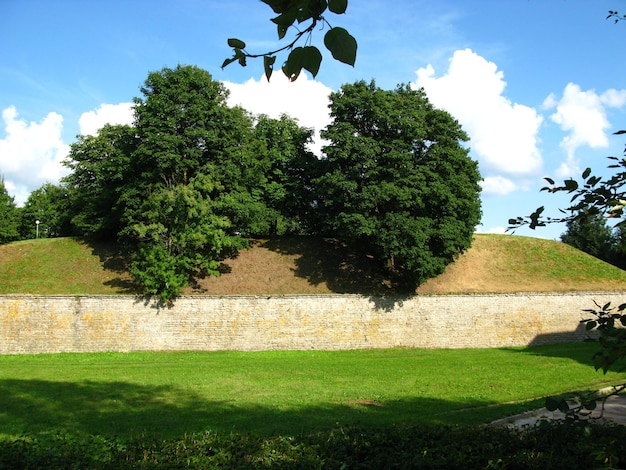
590 232
193 179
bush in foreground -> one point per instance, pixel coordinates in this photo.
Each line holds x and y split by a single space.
555 446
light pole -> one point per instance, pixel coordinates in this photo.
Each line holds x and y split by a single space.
37 225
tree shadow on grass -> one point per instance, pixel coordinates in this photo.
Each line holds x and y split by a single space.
127 409
114 261
581 352
343 270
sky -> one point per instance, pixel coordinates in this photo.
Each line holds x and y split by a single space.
538 85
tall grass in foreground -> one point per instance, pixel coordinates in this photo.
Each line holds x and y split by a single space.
282 392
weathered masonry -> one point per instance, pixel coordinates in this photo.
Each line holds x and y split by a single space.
50 324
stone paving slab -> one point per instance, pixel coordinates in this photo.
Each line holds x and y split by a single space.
614 412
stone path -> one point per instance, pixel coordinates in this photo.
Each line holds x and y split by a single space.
614 412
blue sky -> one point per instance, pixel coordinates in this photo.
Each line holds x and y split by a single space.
537 84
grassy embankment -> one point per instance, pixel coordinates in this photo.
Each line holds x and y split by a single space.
495 263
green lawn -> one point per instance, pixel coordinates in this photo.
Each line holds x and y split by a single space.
270 393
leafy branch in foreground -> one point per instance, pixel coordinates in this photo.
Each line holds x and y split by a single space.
337 40
599 196
593 194
580 409
609 322
615 15
591 197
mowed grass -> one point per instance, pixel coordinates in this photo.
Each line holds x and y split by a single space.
62 266
282 392
306 265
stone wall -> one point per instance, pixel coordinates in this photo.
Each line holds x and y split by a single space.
50 324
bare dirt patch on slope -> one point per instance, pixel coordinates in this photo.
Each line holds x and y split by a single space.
494 264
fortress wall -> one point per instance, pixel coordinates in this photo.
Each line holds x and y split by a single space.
51 324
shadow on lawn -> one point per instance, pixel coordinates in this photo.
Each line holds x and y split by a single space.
563 346
114 262
344 271
124 409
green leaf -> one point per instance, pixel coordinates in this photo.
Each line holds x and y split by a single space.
571 185
236 43
552 404
268 65
591 325
593 180
586 173
239 56
338 6
279 6
341 45
308 58
311 59
284 22
310 9
228 61
292 67
591 405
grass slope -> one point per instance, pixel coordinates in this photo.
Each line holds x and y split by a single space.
302 265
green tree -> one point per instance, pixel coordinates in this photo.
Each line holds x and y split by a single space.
183 185
101 170
50 205
397 180
619 246
183 168
288 168
590 233
337 40
9 215
179 236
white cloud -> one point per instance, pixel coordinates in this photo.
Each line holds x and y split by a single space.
305 100
504 135
31 153
497 230
583 115
498 185
569 168
92 121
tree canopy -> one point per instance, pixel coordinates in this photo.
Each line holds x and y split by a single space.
50 205
9 216
192 179
396 180
184 185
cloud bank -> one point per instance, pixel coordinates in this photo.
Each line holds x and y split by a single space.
583 116
305 99
503 134
92 121
31 153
